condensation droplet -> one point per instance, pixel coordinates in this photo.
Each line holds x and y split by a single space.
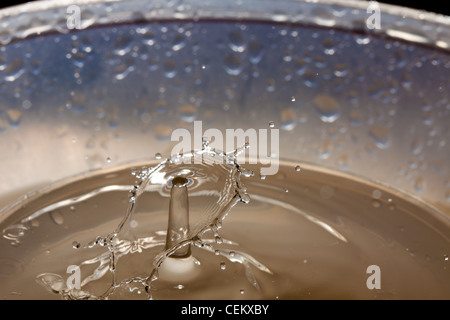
376 203
14 117
416 146
355 117
233 64
158 156
237 41
419 184
57 217
288 119
297 168
122 45
327 107
163 132
223 266
271 124
380 135
376 194
342 162
255 51
14 70
188 113
170 70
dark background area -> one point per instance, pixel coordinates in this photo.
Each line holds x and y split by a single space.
442 7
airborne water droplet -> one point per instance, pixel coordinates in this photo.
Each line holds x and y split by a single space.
76 245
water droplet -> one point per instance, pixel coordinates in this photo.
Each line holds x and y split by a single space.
362 40
419 184
380 134
270 84
242 291
237 41
329 46
163 132
57 217
223 266
170 70
310 78
288 118
158 156
108 160
416 146
188 113
297 168
355 117
232 253
178 42
376 194
255 50
76 245
271 124
124 69
445 257
14 233
122 45
179 287
14 70
327 107
376 203
14 117
51 281
218 239
233 64
342 162
324 150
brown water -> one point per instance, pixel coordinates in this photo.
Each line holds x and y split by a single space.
306 233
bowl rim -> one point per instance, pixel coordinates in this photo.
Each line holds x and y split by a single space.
412 25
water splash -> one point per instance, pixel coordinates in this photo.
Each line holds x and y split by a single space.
122 242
